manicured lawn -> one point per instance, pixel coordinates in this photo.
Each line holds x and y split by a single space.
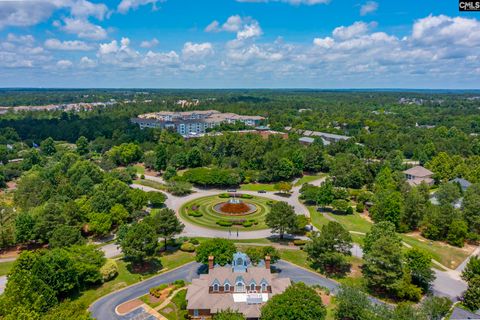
257 187
309 178
317 218
140 169
210 217
351 222
175 307
150 183
447 255
5 267
126 278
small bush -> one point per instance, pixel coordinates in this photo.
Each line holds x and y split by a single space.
187 247
270 202
224 223
195 214
142 177
179 283
349 210
299 242
157 291
194 241
247 224
246 196
109 270
224 195
360 207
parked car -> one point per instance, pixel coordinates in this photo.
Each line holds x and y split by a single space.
262 191
232 190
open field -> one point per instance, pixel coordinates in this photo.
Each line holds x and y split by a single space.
210 217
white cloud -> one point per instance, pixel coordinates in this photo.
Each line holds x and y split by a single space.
84 29
212 27
119 54
87 63
126 5
197 50
368 7
292 2
356 29
245 27
23 13
251 30
23 39
75 45
161 59
324 43
64 64
149 43
443 29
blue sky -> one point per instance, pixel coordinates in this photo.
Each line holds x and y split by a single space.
238 43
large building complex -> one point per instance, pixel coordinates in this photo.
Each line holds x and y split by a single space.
192 122
239 287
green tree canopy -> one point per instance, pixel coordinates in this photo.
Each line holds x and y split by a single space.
297 302
221 249
281 218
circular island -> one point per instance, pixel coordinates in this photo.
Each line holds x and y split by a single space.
227 212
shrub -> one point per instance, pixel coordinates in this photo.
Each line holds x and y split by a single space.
270 202
195 214
224 223
142 177
224 195
247 224
194 241
360 207
179 283
157 291
299 242
187 247
109 270
246 196
349 210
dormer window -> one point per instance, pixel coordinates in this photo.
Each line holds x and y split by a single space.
239 287
252 287
216 287
264 287
227 287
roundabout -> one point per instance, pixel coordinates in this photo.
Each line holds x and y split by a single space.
220 212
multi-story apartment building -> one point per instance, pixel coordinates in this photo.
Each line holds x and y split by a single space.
192 122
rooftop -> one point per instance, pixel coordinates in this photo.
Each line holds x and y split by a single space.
418 171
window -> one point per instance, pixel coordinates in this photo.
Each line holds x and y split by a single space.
239 262
240 287
227 287
252 287
264 287
215 287
195 313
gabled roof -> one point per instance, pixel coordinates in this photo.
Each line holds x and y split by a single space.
418 171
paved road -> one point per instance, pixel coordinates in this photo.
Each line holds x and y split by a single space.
3 283
104 308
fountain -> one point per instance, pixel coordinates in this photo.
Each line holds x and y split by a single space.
234 206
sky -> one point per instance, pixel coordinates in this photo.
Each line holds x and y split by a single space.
239 44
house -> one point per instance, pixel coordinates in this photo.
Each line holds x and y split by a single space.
464 184
240 287
417 175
